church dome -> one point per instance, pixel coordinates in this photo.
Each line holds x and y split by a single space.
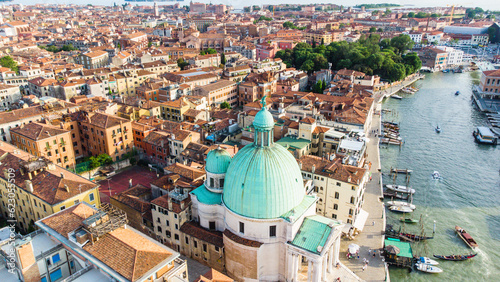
263 179
263 119
218 161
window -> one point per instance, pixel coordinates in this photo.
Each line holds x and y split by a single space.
187 240
350 211
56 275
272 231
242 227
168 223
168 234
56 258
91 197
352 200
338 184
176 226
211 225
336 195
205 248
48 262
334 216
72 264
211 182
159 229
335 207
195 244
176 236
221 182
63 207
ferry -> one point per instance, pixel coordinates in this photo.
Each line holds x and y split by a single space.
484 135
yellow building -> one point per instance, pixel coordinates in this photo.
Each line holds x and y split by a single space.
33 188
174 110
318 36
43 140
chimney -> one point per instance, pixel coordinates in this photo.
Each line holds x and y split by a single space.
62 175
169 203
300 165
182 205
66 187
61 125
29 185
6 174
130 183
313 169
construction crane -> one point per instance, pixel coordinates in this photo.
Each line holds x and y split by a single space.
453 10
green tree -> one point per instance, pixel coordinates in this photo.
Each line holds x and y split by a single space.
412 59
314 43
223 58
322 41
402 43
288 25
225 105
373 29
150 44
411 15
8 62
181 63
318 87
210 51
387 12
380 29
308 66
119 46
492 34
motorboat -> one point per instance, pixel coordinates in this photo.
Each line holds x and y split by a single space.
456 257
436 175
396 97
401 204
427 268
457 93
466 237
485 135
427 260
402 209
408 220
438 129
400 188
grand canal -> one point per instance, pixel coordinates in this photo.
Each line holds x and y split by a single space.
468 194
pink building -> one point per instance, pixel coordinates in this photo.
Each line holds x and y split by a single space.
266 50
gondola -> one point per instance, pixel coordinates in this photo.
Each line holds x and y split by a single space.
456 257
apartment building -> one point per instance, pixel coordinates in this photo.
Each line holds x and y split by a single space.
93 60
40 86
105 247
340 188
106 134
170 212
18 117
433 58
174 110
39 187
43 140
490 84
257 86
9 94
219 92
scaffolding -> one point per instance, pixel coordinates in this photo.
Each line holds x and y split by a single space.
107 219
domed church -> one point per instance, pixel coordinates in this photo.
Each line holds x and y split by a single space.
270 228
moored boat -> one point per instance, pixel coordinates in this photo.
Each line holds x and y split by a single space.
408 220
396 170
402 209
456 257
427 260
484 135
401 204
427 268
400 188
466 237
396 97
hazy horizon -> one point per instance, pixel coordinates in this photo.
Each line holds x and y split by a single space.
238 4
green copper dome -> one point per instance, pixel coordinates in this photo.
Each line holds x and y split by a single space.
263 179
218 161
263 119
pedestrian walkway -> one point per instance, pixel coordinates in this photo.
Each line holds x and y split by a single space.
371 237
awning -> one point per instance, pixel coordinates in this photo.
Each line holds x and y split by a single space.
351 145
360 221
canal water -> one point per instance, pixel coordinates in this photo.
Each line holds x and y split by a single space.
468 195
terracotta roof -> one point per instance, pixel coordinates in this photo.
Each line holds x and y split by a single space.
37 131
186 171
213 276
127 252
105 120
237 239
332 169
69 219
193 229
133 198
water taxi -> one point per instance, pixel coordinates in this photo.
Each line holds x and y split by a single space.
466 237
484 135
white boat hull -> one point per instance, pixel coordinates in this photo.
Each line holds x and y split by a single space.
428 261
400 209
401 204
428 268
400 188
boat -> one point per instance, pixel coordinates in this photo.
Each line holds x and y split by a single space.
390 141
427 268
396 97
457 93
408 220
390 232
436 175
484 135
446 70
400 188
427 260
392 194
402 209
438 129
406 171
456 257
401 204
466 237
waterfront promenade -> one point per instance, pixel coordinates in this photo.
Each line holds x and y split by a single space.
371 237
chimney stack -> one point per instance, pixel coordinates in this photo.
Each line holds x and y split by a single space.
170 204
130 183
313 169
62 175
29 185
